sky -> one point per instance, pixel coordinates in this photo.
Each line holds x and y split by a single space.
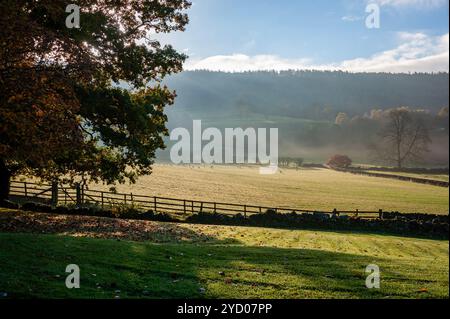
243 35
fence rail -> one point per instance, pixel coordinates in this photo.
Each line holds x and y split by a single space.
65 195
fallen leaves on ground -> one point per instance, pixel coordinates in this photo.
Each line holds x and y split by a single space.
97 227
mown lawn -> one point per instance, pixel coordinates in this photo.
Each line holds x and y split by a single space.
193 261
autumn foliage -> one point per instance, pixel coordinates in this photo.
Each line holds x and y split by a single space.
340 161
61 111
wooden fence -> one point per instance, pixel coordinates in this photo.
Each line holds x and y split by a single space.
79 196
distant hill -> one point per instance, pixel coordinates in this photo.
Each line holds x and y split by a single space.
306 94
304 105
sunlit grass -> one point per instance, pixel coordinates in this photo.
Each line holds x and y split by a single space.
225 262
316 189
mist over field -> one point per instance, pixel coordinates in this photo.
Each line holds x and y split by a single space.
305 106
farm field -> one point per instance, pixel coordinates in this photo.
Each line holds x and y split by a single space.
196 261
316 189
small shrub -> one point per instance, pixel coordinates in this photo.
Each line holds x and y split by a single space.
271 212
126 211
340 161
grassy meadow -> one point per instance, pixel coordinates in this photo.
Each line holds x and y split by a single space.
316 189
143 259
196 261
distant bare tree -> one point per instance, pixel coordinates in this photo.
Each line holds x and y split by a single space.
405 138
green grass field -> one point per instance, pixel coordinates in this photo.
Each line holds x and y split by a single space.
316 189
193 261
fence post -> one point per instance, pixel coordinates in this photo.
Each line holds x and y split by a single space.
192 207
381 213
79 199
26 190
125 198
54 193
184 207
215 208
201 207
103 203
245 211
155 204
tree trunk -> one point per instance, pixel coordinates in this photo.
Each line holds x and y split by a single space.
5 176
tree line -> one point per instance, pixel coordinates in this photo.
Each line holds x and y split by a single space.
314 95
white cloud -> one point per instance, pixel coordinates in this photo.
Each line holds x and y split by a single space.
242 62
410 3
416 52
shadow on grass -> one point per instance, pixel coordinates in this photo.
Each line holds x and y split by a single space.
33 267
99 227
285 273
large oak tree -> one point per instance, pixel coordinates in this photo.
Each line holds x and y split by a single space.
61 111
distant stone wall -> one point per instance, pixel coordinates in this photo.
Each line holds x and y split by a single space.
360 171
